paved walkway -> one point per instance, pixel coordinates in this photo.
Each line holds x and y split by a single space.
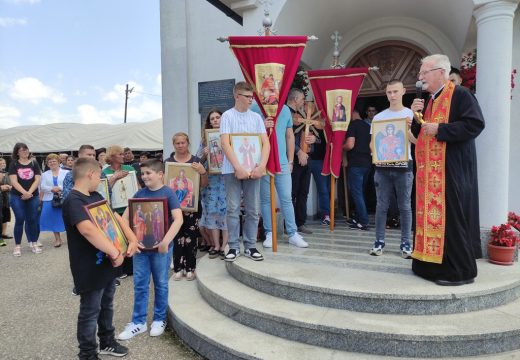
38 313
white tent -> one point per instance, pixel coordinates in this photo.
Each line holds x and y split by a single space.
66 137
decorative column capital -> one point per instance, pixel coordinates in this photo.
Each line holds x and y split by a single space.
486 10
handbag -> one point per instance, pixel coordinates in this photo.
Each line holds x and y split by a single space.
57 200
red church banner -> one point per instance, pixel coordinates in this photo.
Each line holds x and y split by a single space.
269 64
335 91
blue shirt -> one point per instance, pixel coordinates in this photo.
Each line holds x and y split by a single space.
283 122
164 192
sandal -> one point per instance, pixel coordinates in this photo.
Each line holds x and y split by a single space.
36 250
222 254
57 244
17 251
213 254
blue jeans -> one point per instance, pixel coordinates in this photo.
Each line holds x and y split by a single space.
283 185
156 264
251 192
322 185
25 213
356 183
386 181
96 310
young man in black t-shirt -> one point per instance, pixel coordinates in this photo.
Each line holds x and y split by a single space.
93 262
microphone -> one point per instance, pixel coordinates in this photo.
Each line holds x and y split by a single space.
418 95
418 89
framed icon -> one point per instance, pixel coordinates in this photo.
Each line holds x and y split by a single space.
390 142
148 218
184 181
215 152
102 189
247 148
123 189
102 216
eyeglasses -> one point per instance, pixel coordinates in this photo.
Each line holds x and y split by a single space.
422 73
248 97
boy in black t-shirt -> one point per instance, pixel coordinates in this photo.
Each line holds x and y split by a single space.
93 272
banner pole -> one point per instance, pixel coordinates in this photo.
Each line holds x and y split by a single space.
273 215
347 210
332 188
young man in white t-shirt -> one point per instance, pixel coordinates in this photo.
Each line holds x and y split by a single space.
240 120
397 176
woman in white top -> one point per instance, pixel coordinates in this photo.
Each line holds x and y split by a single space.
52 183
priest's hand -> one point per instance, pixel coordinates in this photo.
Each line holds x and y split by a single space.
430 129
417 105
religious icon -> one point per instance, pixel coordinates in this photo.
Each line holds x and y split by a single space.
184 181
248 149
338 108
148 220
123 189
102 189
268 84
102 216
215 152
390 141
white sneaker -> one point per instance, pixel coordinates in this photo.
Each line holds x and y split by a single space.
132 330
157 328
268 242
298 241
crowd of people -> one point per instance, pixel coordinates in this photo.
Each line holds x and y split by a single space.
231 202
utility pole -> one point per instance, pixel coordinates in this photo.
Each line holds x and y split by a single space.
126 98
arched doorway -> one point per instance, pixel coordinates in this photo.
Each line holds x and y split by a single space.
396 60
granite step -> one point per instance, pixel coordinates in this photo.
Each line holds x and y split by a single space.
370 291
487 331
217 337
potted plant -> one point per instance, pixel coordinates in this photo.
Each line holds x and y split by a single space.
503 240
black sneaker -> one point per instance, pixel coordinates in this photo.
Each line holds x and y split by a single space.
74 292
358 226
123 276
253 254
232 255
114 349
351 221
117 282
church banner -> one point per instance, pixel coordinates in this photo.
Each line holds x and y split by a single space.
269 64
335 91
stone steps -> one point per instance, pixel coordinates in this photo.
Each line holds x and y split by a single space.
335 301
466 334
217 337
364 290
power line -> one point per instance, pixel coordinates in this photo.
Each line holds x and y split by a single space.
145 93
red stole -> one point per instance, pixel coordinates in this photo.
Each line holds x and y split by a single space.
430 156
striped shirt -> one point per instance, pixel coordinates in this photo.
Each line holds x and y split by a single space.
236 122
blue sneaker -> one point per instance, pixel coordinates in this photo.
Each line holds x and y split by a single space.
377 250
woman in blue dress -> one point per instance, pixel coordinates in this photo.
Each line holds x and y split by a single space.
52 183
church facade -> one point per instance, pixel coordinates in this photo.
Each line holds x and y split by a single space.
391 35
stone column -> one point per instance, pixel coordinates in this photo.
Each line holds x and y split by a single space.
494 21
174 69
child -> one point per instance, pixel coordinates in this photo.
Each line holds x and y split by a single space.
94 273
153 262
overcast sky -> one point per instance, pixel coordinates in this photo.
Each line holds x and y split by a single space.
69 61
